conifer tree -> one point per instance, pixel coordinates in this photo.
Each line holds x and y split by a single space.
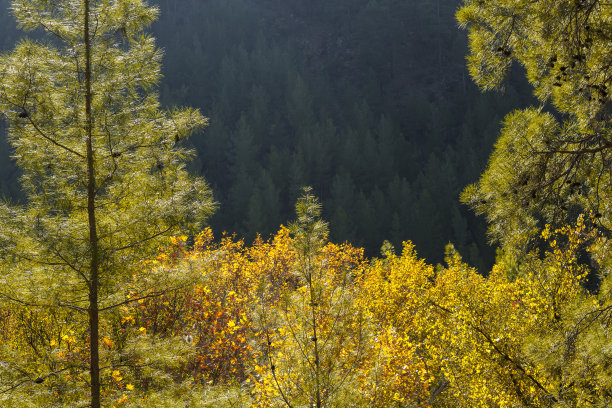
546 165
103 170
316 341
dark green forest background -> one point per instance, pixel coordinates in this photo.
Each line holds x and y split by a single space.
367 101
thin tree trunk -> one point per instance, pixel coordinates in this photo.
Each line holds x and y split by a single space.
313 305
94 367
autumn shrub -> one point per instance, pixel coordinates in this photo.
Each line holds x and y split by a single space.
503 340
214 312
394 293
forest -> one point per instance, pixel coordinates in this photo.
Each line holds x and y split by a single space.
370 103
345 203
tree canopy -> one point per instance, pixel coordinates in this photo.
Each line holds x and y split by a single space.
551 162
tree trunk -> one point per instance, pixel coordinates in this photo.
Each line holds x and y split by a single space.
94 367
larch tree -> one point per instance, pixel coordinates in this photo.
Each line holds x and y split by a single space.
102 168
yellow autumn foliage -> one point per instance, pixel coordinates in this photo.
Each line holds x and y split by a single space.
393 331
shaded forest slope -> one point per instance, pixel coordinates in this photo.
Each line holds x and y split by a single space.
367 101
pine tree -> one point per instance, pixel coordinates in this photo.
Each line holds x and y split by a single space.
315 339
103 167
548 166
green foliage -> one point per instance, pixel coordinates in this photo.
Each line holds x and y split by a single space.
550 166
309 230
104 179
297 320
